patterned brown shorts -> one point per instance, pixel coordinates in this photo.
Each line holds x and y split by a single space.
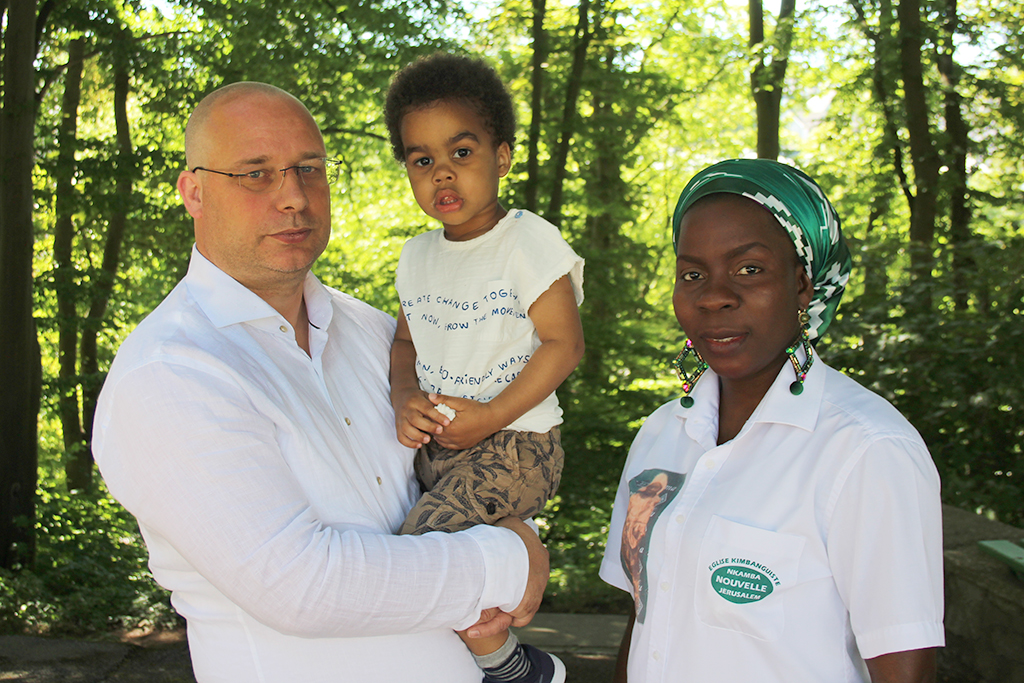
509 473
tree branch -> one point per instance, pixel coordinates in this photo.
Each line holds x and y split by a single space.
358 132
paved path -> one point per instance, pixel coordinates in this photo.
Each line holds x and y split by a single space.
587 643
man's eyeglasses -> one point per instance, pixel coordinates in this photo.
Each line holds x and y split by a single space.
313 173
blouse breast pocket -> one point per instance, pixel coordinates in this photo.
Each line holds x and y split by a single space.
743 576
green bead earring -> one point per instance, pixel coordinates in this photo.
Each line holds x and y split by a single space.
689 380
797 387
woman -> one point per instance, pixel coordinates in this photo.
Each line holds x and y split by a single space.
803 541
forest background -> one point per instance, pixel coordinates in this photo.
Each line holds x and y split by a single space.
910 113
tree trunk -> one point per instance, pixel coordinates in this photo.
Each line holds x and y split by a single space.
956 161
924 157
767 80
607 191
888 151
65 273
124 173
20 363
883 80
875 270
540 56
572 92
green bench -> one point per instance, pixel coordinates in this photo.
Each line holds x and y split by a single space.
1008 552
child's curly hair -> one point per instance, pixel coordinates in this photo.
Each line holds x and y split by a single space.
443 76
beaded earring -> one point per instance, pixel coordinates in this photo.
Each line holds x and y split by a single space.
797 387
689 380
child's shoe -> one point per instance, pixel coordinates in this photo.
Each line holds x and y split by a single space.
544 668
551 668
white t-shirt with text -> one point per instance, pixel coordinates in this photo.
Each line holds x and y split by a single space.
467 305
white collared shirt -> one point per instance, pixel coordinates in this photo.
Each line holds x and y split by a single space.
806 544
267 483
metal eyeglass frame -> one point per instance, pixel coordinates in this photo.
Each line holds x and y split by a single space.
331 173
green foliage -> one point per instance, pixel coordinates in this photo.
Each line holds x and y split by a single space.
90 572
575 526
956 376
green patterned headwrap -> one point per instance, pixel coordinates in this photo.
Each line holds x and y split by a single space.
801 207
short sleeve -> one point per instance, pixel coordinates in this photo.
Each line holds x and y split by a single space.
540 257
885 547
611 571
651 433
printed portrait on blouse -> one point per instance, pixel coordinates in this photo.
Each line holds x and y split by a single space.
650 492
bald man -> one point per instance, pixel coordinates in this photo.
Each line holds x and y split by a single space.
247 424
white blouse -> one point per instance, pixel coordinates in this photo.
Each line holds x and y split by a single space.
808 543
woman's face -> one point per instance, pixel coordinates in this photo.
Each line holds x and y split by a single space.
739 288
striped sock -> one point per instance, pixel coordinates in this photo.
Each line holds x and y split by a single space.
507 663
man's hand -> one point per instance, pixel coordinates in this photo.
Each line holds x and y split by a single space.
493 621
474 422
539 570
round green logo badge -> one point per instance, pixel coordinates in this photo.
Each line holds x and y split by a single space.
741 584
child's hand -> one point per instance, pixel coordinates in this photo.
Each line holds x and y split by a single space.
416 420
474 422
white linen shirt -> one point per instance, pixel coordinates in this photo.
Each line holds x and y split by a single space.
806 544
467 305
267 483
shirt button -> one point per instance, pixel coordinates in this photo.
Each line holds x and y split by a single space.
283 328
380 481
710 464
656 656
680 519
665 586
348 421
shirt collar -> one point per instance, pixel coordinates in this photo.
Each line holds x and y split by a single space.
319 307
779 405
701 419
226 301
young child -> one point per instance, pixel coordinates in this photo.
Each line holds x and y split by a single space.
489 325
767 522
